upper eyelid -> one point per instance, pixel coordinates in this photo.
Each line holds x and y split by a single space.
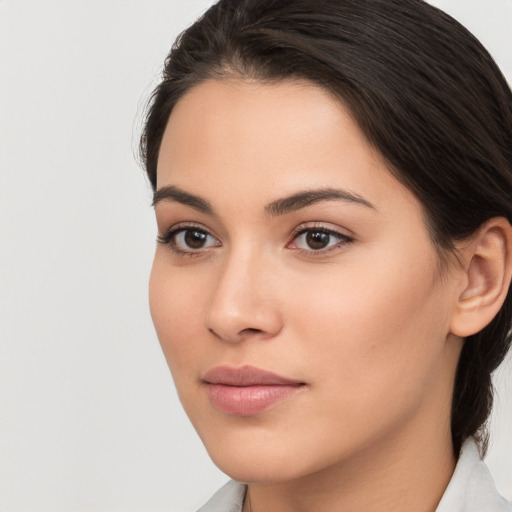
318 228
183 226
322 226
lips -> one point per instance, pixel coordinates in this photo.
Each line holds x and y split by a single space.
247 391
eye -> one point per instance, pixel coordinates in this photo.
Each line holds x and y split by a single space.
188 240
318 240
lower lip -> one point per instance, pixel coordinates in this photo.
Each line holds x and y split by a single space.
249 400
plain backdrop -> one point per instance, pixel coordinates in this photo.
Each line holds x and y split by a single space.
89 419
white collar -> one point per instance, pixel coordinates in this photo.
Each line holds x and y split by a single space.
471 488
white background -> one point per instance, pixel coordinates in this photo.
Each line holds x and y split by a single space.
89 420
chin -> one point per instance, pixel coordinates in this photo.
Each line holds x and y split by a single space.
260 456
252 455
266 468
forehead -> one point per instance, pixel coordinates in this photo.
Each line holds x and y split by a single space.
267 131
228 112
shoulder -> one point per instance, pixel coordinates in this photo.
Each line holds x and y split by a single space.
229 498
472 488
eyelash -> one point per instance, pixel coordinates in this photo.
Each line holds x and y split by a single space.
343 239
168 239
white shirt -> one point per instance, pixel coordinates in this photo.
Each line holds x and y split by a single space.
471 489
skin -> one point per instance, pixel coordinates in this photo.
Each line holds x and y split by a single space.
365 323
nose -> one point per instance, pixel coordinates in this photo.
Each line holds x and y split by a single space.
244 303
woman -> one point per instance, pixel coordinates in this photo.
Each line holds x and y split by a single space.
333 191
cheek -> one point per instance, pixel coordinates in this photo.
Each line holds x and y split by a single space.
175 305
372 331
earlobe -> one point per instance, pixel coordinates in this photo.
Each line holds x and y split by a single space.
488 270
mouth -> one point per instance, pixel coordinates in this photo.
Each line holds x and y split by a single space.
247 391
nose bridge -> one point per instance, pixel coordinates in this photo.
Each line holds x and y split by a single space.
244 301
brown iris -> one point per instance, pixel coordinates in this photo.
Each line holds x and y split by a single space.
317 239
195 239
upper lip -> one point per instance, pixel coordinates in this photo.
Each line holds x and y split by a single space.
246 376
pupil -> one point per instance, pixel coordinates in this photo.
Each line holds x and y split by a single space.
317 239
195 239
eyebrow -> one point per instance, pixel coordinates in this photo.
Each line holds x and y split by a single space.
175 194
309 197
275 208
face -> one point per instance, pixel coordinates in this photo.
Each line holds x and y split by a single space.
295 291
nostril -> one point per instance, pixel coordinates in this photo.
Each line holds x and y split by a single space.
250 330
235 336
211 331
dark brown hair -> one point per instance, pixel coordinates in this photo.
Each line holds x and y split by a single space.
424 91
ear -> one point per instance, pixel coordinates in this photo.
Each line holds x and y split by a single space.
487 267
